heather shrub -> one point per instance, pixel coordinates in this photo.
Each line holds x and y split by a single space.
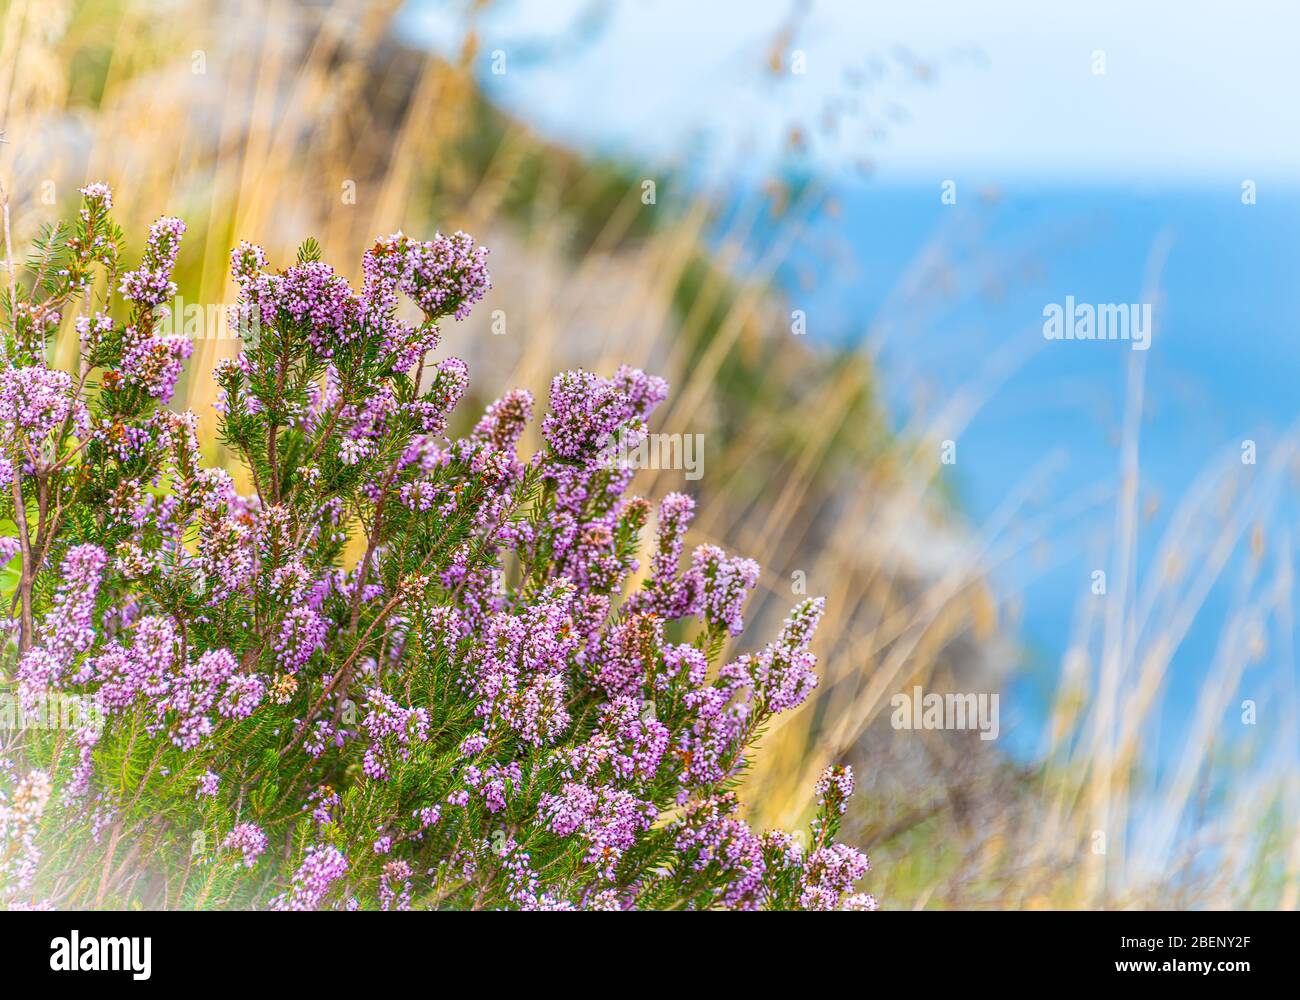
400 670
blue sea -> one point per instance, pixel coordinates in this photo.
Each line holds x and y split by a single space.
951 298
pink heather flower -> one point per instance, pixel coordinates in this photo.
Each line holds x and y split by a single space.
225 557
637 743
155 363
586 410
417 496
713 840
628 654
35 402
449 385
607 818
323 801
85 740
92 330
309 296
192 695
491 783
782 675
38 671
119 679
246 261
395 886
519 680
541 715
643 392
208 784
723 584
319 736
153 653
782 852
151 284
626 746
249 839
828 874
446 275
213 490
313 295
68 629
683 661
473 745
712 743
243 693
100 194
834 787
393 730
33 325
290 582
383 268
665 593
301 634
20 817
427 816
504 421
321 868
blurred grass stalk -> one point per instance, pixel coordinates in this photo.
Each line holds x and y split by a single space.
256 120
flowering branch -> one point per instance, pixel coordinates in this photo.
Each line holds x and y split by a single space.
483 710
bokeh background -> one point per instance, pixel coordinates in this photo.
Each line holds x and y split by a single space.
833 227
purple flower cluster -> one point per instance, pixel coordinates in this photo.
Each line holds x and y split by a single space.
494 782
709 836
310 296
607 818
192 693
834 788
541 726
99 196
69 628
393 730
627 739
444 276
829 874
782 675
179 697
302 633
143 671
666 593
155 363
35 402
724 584
519 681
151 285
395 886
504 421
207 786
21 810
321 868
587 411
249 840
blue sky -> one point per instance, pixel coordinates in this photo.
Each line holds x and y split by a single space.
1193 91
